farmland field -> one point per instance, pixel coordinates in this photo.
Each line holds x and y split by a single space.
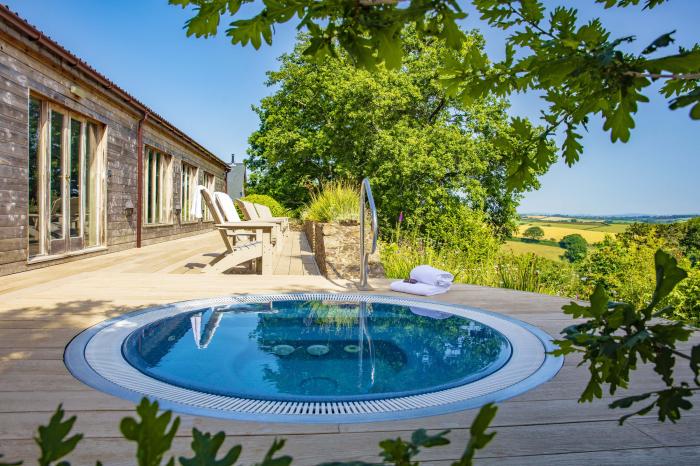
544 250
612 228
593 232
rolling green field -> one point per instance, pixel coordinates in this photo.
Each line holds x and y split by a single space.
555 228
544 250
593 232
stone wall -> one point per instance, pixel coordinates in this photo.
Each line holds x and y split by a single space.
337 250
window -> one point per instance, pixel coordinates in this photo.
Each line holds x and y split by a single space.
188 187
35 185
209 184
157 197
66 178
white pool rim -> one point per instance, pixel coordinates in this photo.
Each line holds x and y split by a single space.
95 358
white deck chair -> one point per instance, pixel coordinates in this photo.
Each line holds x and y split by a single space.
229 213
251 213
258 249
264 213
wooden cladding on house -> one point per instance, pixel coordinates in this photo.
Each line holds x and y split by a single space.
66 201
69 162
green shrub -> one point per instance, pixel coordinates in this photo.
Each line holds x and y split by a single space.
685 299
576 247
338 201
624 268
277 209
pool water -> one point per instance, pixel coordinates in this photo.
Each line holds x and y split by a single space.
316 351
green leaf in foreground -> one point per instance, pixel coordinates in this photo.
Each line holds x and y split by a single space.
206 447
270 459
152 437
53 439
478 437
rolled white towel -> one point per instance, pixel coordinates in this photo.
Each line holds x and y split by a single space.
422 289
197 202
432 276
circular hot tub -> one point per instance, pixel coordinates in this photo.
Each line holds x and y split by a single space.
313 357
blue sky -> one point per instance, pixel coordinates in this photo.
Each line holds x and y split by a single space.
207 87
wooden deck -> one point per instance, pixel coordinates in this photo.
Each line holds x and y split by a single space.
296 257
40 311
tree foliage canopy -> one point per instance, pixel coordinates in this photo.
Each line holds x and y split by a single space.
535 233
576 247
430 156
581 69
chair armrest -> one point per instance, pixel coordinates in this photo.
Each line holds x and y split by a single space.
247 225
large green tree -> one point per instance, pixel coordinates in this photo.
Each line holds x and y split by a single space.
429 155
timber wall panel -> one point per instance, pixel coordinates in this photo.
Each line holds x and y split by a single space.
25 67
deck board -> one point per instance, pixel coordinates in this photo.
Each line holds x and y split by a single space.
41 310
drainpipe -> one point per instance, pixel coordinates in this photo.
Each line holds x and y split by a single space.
139 178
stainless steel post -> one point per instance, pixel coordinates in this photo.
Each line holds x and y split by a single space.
366 192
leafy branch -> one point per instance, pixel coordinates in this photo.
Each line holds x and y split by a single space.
579 68
615 337
53 439
154 433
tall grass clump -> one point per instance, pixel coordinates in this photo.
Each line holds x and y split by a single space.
400 258
530 272
466 249
477 266
338 201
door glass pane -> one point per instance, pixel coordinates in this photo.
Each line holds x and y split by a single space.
90 183
56 176
34 179
74 186
157 189
149 178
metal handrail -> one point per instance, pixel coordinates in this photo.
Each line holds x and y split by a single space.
366 192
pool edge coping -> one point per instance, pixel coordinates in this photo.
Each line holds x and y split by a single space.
76 362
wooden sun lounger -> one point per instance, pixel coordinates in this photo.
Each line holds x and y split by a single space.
265 214
250 212
258 248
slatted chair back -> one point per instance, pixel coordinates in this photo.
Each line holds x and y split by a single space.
216 214
263 211
228 209
248 210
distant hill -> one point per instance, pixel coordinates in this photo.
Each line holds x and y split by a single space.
622 218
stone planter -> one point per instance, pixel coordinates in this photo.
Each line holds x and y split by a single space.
336 248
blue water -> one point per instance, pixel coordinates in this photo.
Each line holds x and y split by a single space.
316 351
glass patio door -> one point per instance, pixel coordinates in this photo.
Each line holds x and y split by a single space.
64 181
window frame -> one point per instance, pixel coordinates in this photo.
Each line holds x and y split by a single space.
190 173
49 248
209 182
160 200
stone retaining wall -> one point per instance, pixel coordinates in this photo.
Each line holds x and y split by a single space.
336 248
